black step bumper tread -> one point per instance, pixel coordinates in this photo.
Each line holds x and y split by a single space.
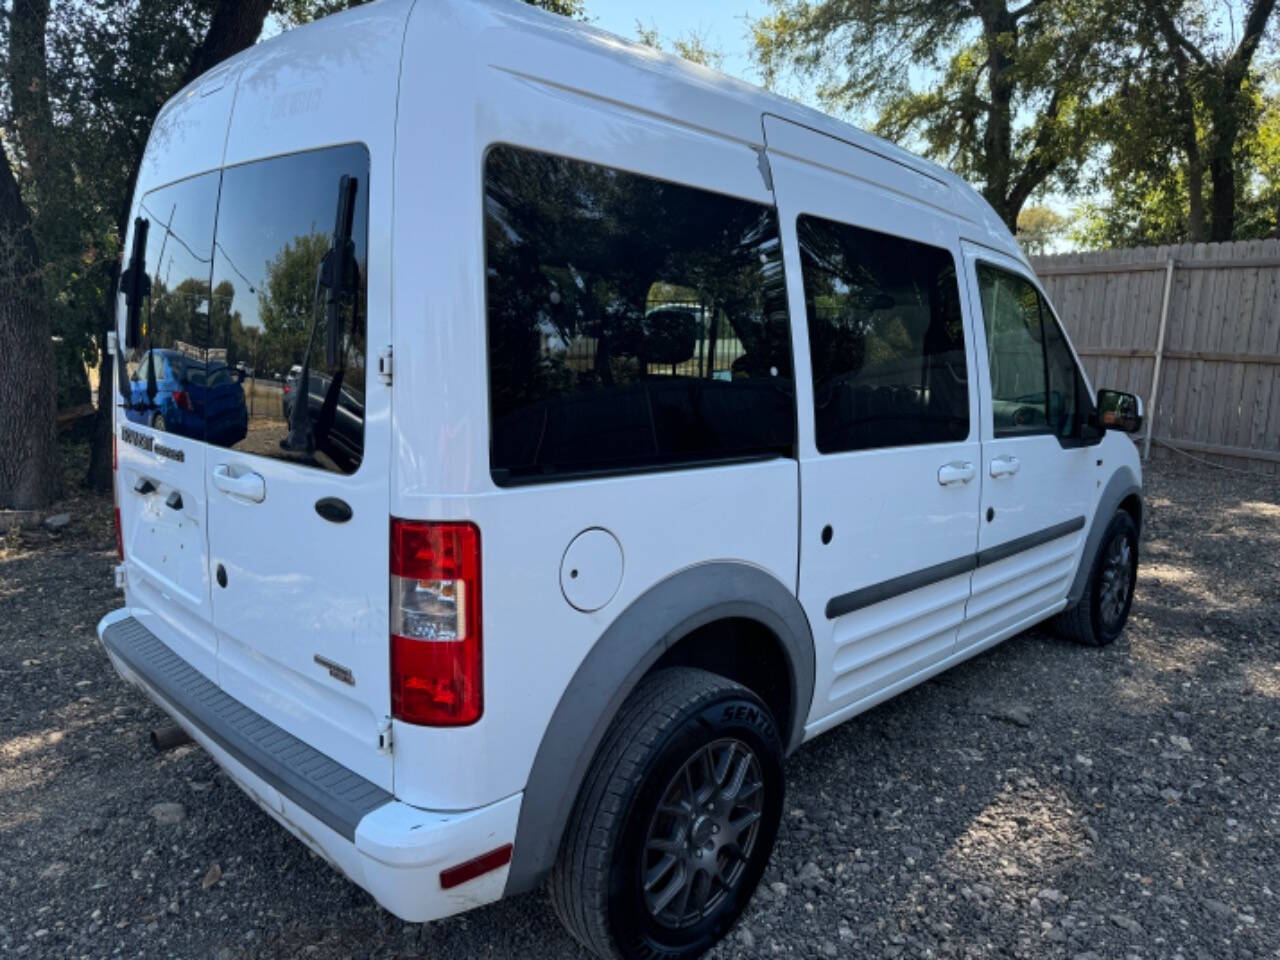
324 788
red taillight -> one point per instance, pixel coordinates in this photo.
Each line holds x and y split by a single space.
182 399
435 623
288 389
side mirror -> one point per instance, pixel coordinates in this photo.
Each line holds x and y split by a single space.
1119 411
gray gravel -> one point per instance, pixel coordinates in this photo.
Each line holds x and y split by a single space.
1039 801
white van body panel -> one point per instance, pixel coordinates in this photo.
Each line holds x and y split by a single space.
429 87
901 519
167 550
548 91
307 588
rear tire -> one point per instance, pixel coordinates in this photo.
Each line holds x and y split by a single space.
675 821
1099 616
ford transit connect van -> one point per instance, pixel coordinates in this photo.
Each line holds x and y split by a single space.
646 426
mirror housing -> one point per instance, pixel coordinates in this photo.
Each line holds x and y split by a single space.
1118 410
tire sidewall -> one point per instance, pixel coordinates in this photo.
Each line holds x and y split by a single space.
1121 523
735 713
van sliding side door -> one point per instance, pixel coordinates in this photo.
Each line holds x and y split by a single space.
889 444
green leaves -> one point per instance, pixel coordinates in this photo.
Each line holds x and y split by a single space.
1005 96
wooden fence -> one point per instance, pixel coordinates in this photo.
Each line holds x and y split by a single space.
1193 329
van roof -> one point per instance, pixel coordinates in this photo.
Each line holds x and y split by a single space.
577 56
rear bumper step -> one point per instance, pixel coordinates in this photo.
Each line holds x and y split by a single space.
327 790
394 851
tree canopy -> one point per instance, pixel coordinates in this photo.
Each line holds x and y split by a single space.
1007 95
1155 112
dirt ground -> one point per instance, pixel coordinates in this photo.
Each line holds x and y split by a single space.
1040 800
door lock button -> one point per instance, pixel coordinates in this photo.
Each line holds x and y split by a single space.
221 575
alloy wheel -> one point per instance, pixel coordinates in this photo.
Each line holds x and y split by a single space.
1116 581
702 835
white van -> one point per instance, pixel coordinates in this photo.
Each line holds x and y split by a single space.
653 425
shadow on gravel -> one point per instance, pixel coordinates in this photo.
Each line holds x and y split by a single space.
1040 800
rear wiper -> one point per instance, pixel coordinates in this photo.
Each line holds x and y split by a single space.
136 287
338 274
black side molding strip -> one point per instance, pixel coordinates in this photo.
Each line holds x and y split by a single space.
888 589
1005 550
330 792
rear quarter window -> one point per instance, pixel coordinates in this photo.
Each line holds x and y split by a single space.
633 323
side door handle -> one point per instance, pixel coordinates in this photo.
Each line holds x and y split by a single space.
240 483
1005 466
961 471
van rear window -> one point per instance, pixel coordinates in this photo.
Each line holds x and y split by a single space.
269 318
633 323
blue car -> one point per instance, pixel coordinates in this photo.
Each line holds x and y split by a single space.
203 401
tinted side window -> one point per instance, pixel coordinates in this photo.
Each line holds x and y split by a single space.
275 226
1035 384
1066 388
174 322
1015 347
632 323
886 336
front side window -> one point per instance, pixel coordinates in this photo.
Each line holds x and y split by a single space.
633 323
270 310
886 338
1035 385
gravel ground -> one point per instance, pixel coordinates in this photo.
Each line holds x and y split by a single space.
1039 801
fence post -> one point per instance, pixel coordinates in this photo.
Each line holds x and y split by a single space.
1155 375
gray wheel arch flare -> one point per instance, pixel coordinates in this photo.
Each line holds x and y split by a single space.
1122 485
632 644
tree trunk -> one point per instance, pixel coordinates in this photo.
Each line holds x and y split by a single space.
1190 147
997 139
1225 123
1222 175
98 476
30 469
235 26
1196 222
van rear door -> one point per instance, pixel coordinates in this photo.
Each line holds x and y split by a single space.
160 453
298 498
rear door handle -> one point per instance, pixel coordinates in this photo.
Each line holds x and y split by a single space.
144 486
240 483
1005 466
950 474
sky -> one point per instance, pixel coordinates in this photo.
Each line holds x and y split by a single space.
721 23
